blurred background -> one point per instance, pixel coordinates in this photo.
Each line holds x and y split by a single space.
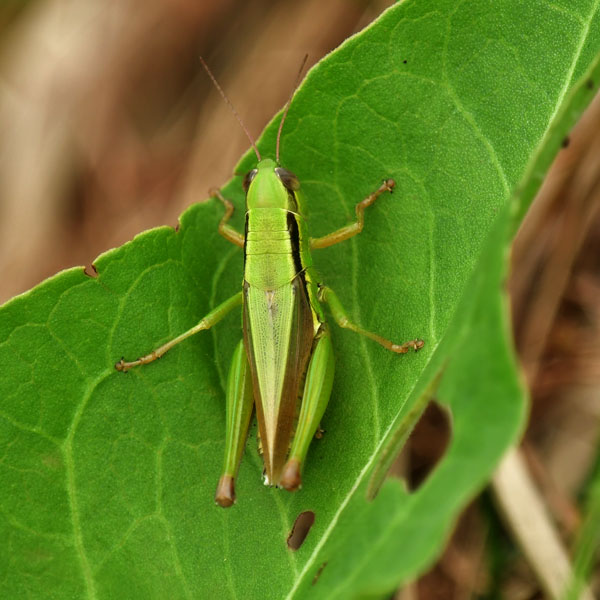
108 126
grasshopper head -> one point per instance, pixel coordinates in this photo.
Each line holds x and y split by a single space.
271 186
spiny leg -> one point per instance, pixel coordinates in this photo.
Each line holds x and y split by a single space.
212 318
341 318
350 230
317 391
226 230
240 402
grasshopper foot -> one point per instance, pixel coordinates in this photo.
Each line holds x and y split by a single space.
404 348
123 365
389 184
120 366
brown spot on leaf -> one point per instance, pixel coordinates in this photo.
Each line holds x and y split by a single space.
318 573
304 521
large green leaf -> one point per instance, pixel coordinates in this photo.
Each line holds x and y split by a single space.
107 478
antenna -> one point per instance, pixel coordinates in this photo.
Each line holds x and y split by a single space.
235 112
287 106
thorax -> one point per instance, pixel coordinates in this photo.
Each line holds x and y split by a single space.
276 247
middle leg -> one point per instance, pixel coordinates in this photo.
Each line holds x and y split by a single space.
212 318
341 318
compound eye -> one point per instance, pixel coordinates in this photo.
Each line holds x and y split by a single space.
248 177
289 180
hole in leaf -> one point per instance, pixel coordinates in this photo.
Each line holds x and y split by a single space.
425 447
304 521
91 271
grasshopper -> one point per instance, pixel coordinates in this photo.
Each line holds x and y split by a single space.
286 352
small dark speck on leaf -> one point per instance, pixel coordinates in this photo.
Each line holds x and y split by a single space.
405 61
304 521
590 84
318 573
52 461
91 271
566 141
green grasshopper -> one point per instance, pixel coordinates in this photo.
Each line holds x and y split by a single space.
286 351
